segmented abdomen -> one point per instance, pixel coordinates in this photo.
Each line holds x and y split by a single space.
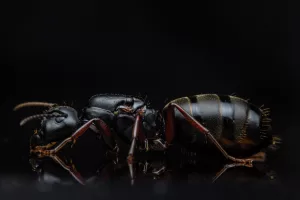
232 120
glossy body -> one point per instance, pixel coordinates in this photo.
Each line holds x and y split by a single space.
59 123
239 126
110 108
238 129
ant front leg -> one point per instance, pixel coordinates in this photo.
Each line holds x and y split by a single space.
70 168
44 151
83 130
66 163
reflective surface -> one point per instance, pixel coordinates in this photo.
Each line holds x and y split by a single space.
88 163
106 179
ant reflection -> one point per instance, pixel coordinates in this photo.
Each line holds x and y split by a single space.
107 166
142 141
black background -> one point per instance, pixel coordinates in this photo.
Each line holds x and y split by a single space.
70 50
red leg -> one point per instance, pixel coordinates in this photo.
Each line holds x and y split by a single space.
52 153
81 131
44 150
169 132
135 133
260 157
224 169
202 129
71 169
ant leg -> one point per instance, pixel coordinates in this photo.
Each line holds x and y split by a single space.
259 157
169 130
52 153
246 162
44 150
71 169
80 132
159 171
135 132
224 169
131 172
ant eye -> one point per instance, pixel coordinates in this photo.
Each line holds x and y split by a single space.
59 119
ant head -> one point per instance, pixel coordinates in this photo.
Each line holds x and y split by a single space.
57 123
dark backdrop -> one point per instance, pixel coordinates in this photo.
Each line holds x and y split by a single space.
69 50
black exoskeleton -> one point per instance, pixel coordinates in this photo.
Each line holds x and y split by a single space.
118 112
237 128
